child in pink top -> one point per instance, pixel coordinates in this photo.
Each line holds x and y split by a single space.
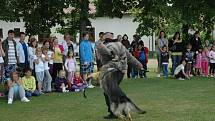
70 66
198 65
205 61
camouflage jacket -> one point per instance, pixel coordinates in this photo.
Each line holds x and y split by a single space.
115 55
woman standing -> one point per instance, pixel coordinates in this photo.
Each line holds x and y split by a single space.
58 58
162 41
48 46
176 47
32 51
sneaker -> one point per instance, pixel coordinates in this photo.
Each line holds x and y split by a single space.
10 101
41 93
24 99
64 89
181 79
90 86
158 75
77 90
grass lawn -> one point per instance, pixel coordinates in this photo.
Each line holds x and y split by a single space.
163 99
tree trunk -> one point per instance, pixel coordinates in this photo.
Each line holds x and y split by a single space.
84 16
185 35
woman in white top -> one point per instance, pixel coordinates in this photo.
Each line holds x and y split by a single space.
32 51
159 45
48 45
2 54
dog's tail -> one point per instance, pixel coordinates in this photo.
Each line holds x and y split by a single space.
135 108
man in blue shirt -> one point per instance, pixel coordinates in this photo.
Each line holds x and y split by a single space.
86 58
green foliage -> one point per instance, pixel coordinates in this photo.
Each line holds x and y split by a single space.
165 15
41 15
113 8
9 10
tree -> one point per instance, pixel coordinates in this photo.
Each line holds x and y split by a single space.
39 15
185 13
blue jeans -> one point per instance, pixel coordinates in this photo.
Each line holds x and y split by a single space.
176 59
134 72
30 94
165 70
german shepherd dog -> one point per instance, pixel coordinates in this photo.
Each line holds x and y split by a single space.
120 104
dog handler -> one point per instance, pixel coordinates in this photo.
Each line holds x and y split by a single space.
114 58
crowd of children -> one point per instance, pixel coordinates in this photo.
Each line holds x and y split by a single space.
46 70
193 62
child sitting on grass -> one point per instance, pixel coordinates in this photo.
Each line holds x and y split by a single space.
61 83
16 89
179 72
78 83
29 84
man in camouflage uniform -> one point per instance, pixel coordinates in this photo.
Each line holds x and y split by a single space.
114 57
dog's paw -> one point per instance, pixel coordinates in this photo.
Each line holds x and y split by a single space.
142 112
122 117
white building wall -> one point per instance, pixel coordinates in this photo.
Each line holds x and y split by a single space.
118 27
11 25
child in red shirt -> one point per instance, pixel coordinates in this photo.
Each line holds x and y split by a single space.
78 83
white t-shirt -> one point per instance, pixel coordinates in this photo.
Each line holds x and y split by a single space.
212 56
46 64
40 66
51 61
178 69
1 60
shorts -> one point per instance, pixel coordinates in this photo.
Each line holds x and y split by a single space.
88 68
40 76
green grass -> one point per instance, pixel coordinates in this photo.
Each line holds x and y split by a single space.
163 99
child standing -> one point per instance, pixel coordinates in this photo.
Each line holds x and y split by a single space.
47 76
198 65
16 89
70 66
143 57
61 82
29 84
212 61
189 55
39 68
165 60
205 61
